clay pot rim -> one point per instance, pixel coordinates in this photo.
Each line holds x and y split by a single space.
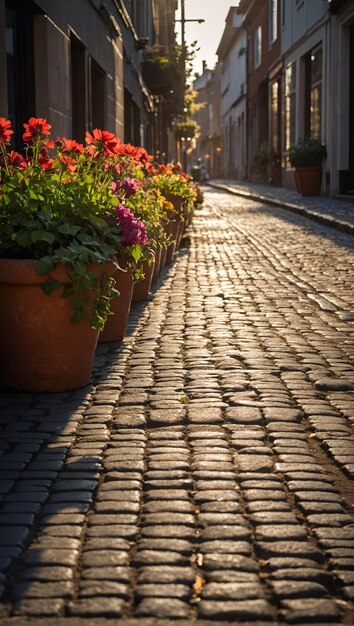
23 272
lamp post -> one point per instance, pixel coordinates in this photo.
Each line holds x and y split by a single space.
183 22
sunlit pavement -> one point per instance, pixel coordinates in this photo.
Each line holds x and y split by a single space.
335 212
206 476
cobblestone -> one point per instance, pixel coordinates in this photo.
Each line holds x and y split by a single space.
205 476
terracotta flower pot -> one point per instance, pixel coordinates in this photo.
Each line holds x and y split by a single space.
42 350
177 202
308 180
172 230
181 229
155 273
142 288
162 259
115 327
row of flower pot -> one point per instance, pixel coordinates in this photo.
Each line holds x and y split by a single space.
83 232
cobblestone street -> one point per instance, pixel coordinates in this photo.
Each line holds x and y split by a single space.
207 475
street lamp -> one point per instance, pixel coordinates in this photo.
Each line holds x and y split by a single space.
183 21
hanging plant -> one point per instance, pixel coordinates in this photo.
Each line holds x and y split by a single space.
187 129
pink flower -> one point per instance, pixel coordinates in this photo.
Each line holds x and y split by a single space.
133 231
128 185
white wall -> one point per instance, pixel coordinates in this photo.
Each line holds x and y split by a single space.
233 105
298 18
234 73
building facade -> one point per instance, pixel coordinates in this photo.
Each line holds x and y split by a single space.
233 95
306 50
261 19
340 95
79 65
286 72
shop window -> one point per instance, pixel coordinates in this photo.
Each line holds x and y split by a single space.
275 115
313 93
290 105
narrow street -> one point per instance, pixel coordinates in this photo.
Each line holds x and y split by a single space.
207 475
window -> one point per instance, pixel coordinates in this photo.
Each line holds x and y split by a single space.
19 46
290 105
273 17
313 93
274 115
258 47
132 119
98 96
78 88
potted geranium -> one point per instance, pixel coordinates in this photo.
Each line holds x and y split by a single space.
274 167
59 240
161 69
306 157
177 187
260 164
187 129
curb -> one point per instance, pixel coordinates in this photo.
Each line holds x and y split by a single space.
327 221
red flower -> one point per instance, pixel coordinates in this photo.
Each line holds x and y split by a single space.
104 140
69 162
16 159
36 126
44 162
92 151
138 154
70 145
5 132
144 156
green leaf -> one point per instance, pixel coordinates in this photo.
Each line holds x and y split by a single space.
77 316
23 238
67 291
97 221
136 252
49 285
87 240
44 265
68 229
42 235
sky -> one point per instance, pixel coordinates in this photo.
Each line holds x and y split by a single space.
209 33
